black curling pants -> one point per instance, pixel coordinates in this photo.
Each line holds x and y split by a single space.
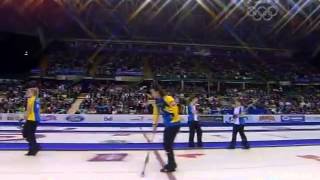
169 136
194 127
29 133
238 129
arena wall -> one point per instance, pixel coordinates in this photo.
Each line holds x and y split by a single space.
129 118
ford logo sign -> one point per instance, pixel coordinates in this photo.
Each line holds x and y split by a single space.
75 118
293 118
108 118
285 118
48 118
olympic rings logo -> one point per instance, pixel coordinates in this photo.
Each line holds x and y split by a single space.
262 10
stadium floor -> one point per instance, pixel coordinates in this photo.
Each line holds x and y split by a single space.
295 154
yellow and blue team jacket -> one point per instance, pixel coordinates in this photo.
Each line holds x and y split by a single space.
170 114
34 114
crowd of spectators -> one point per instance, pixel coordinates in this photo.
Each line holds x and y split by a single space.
113 63
109 98
66 63
234 69
12 97
176 67
56 97
103 60
114 98
259 101
183 71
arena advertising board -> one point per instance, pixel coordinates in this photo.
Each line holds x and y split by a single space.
211 118
312 118
268 118
87 118
129 118
11 117
255 118
228 119
292 118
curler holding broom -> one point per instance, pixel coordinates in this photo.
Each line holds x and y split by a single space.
167 107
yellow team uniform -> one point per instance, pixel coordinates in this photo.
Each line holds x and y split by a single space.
169 113
34 114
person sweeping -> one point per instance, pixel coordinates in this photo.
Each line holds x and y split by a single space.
166 106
